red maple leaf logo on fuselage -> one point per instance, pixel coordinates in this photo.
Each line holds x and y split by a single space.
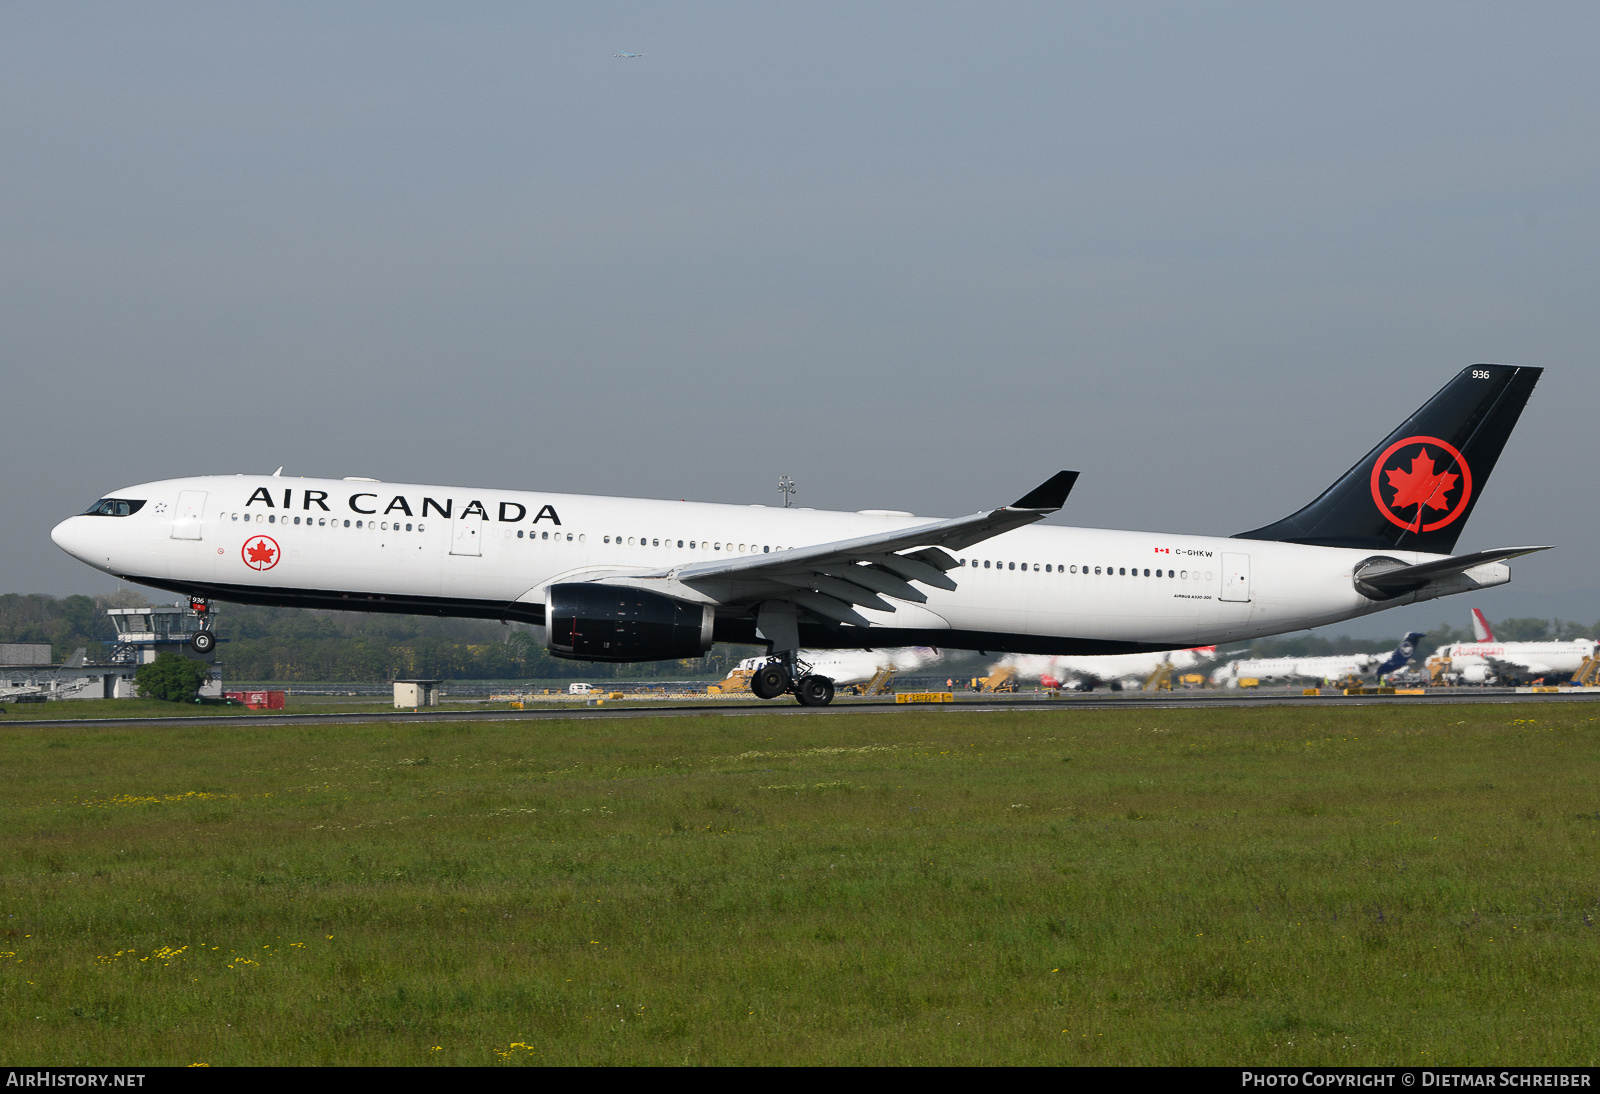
261 552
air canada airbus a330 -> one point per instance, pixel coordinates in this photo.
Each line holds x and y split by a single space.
623 579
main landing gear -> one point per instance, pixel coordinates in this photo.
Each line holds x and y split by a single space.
775 677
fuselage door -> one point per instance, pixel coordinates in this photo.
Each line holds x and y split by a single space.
191 507
1235 578
466 535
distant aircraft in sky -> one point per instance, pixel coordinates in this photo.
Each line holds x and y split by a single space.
625 54
1319 668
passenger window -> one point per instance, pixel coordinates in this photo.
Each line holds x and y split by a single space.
1097 569
1147 573
1074 569
985 564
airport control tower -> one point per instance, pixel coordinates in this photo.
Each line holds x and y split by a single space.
186 628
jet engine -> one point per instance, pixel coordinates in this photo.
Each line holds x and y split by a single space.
589 622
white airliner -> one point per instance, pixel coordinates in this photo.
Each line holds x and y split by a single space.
1330 667
622 579
1088 673
1486 661
857 666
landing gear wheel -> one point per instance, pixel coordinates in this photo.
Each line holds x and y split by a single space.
202 641
814 691
770 681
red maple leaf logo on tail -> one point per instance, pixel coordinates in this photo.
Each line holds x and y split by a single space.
1422 485
1426 485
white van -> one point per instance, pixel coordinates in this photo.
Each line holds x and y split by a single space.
580 689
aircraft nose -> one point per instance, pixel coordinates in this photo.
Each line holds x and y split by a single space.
73 537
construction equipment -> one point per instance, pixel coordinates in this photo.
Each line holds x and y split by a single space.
1003 679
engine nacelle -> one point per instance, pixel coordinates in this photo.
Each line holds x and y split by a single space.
587 622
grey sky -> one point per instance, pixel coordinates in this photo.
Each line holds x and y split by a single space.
916 256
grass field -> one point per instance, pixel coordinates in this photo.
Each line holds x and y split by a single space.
1368 885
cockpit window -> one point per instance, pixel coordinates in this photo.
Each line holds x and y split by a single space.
113 507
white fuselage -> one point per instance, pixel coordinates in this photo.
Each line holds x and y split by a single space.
1121 667
857 666
1475 662
459 551
1331 667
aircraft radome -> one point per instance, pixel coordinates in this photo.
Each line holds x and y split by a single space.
624 579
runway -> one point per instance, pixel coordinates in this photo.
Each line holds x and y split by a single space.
741 709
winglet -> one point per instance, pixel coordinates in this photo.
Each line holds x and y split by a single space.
1052 494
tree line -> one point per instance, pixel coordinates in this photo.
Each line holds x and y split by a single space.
303 644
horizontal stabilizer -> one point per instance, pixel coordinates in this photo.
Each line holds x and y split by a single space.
1387 578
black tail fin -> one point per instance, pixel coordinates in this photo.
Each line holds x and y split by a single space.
1417 488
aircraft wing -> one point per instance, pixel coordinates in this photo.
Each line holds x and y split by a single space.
829 579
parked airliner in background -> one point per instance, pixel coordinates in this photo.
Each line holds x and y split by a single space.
1331 667
1088 673
620 579
857 666
1486 661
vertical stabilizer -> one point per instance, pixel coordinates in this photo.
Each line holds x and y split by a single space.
1401 657
1416 490
1480 628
